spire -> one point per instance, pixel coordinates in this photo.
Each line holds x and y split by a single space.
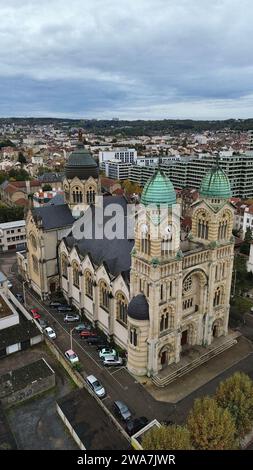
80 136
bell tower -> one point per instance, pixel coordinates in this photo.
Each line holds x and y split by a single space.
81 183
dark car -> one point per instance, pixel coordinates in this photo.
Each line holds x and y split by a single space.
135 425
64 308
94 340
42 322
122 410
82 327
20 298
55 304
102 345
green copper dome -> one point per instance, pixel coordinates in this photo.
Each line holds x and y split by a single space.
158 190
215 184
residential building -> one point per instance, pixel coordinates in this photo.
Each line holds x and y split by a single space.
13 235
125 155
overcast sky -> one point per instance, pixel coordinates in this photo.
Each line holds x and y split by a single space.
126 58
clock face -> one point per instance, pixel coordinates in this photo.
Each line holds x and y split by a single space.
168 232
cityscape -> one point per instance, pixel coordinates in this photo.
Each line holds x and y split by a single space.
126 239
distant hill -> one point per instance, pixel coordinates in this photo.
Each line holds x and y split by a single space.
139 127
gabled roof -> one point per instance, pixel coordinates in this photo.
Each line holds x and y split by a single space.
53 216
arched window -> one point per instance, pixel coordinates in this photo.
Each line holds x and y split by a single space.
167 320
33 241
75 272
121 308
88 284
166 246
218 297
90 196
77 195
35 264
104 295
187 284
203 227
133 336
64 265
145 243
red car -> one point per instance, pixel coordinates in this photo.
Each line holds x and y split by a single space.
35 313
87 334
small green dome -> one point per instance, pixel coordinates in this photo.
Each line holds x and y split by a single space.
158 190
215 184
81 164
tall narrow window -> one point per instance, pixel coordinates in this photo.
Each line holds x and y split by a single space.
104 295
133 336
75 272
121 308
88 284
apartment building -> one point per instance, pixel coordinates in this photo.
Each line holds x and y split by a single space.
13 235
125 155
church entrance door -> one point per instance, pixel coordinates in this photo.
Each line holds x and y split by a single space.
184 337
164 358
52 287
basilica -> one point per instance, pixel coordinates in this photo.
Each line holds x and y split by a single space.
154 296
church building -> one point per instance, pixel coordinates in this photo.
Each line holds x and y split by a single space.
153 296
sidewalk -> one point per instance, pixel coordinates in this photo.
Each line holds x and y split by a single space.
187 384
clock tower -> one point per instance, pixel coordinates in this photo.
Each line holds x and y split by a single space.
155 279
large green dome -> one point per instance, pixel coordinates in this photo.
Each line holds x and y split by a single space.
158 190
215 184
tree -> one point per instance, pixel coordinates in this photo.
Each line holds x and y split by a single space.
21 158
210 426
10 214
167 437
19 175
236 395
47 187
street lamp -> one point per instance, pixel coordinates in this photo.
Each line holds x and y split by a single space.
24 294
71 339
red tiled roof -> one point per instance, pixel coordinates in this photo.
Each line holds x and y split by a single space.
22 202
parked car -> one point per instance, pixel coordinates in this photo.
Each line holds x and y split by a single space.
94 340
87 334
50 332
112 361
20 298
96 386
65 308
35 313
82 327
71 317
135 425
9 285
107 352
71 356
55 304
102 345
122 410
42 322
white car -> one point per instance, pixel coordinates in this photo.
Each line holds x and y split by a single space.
96 386
71 356
112 361
50 332
107 352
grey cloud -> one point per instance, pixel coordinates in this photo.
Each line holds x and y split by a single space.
150 58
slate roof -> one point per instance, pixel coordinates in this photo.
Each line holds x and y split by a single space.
57 200
53 216
23 331
138 308
51 177
116 253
